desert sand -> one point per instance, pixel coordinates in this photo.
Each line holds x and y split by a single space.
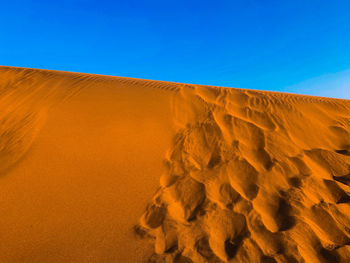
111 169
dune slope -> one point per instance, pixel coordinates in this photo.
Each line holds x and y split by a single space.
108 169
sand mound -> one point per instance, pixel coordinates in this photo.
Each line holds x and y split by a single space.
245 176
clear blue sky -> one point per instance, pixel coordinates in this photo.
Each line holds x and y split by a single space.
298 46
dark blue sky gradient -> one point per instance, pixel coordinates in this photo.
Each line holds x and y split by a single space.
266 44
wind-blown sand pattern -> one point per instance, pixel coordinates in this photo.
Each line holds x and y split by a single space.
242 175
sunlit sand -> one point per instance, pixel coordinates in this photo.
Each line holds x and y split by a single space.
110 169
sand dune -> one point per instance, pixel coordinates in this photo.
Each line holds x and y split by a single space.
110 169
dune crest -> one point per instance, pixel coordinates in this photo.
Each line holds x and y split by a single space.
236 175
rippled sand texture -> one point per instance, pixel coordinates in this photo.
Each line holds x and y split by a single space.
253 177
109 169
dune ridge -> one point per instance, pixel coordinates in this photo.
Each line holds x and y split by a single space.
249 176
24 105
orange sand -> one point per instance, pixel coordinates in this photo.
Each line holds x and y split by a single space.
109 169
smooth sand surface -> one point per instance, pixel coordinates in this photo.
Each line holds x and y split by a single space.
110 169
